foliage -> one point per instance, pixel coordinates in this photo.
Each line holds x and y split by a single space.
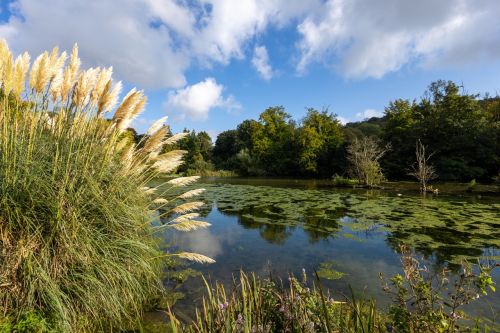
344 182
471 186
320 136
253 304
198 148
273 142
423 302
78 250
463 130
364 156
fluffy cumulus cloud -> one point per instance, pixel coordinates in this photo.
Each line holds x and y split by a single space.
152 43
108 33
371 38
197 100
369 113
260 61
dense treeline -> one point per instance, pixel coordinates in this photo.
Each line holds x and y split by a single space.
460 130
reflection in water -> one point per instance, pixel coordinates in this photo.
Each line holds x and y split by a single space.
258 228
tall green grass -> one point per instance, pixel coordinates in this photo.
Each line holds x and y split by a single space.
77 246
254 304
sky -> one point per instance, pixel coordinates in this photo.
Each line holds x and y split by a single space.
210 64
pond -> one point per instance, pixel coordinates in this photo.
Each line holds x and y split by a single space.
281 227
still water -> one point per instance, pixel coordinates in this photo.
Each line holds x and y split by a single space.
284 226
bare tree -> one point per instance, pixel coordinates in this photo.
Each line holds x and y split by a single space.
364 156
422 170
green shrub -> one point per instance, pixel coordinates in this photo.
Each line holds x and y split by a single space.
77 247
344 182
423 301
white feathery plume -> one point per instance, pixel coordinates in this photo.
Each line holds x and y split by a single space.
56 62
84 85
176 137
192 193
168 165
7 72
155 141
112 97
189 225
187 207
21 65
185 217
199 258
102 80
168 161
183 181
74 61
160 201
151 190
156 125
40 73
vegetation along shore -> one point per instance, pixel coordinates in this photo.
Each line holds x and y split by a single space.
98 223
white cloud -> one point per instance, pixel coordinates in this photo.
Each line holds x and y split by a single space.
371 38
108 33
342 120
152 43
260 61
369 113
197 100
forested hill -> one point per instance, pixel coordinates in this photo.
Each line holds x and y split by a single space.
462 131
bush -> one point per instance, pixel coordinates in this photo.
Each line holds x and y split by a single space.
364 155
423 301
77 245
344 182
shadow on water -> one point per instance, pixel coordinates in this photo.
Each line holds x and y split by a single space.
288 227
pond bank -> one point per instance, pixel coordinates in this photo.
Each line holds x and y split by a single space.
287 225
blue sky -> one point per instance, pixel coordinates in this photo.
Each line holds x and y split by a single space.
210 64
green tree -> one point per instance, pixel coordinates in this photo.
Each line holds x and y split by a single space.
225 150
319 137
274 142
461 130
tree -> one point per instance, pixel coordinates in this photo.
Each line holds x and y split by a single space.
458 125
199 152
273 141
225 149
364 155
319 137
421 169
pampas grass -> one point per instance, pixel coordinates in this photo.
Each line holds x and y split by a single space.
77 246
199 258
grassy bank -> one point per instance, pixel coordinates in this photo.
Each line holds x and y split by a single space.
420 302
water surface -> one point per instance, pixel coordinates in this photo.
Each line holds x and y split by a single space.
280 227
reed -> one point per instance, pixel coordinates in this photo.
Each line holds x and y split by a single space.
254 304
77 246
